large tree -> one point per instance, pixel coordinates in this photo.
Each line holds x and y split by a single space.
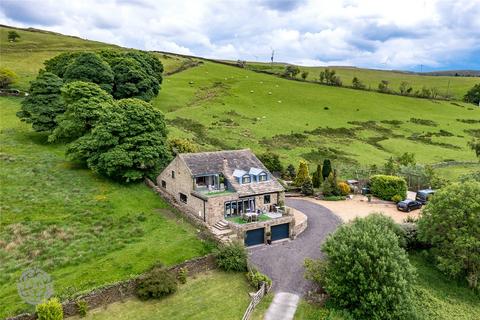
90 67
85 103
58 64
132 80
451 223
365 271
44 103
127 143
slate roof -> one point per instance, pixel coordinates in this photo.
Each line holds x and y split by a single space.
255 171
237 160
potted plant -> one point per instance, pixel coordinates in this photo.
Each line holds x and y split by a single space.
269 239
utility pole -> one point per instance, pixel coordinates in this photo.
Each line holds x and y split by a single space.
271 58
421 68
448 88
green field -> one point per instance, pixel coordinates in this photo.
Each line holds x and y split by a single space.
214 295
454 86
83 230
221 106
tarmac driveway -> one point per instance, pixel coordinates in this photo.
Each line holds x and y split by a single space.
283 261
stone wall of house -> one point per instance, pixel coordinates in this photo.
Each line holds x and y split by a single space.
181 183
124 289
216 207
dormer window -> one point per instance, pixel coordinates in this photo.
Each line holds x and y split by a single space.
246 179
262 177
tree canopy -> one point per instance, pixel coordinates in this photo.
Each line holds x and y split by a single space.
44 103
85 102
451 223
89 67
132 80
127 143
58 64
473 95
13 35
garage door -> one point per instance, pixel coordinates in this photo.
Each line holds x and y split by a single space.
280 231
253 237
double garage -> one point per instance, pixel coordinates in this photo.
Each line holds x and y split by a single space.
258 236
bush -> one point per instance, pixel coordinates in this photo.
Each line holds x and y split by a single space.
182 275
344 188
231 257
157 283
412 241
365 271
388 224
334 198
256 278
450 222
307 188
385 187
397 198
50 310
7 77
82 307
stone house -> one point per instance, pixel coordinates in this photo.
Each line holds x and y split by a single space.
222 187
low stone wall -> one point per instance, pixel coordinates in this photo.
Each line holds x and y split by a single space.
124 289
301 222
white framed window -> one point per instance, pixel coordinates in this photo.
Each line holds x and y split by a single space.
246 179
262 177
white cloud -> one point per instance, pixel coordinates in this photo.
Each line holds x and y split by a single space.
370 33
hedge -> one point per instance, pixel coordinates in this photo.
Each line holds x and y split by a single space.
386 187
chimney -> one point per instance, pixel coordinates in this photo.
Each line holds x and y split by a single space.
225 166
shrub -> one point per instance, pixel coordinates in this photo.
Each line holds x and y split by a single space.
231 257
157 283
272 162
182 275
344 188
450 222
180 145
256 278
334 198
385 187
397 198
302 173
365 271
7 77
388 224
82 307
330 186
50 310
412 241
307 187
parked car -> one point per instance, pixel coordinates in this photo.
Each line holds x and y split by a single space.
408 205
366 191
423 196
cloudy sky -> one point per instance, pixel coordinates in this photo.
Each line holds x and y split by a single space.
388 34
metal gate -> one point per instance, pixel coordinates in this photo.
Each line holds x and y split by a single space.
280 231
253 237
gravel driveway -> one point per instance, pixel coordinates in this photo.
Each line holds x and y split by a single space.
283 261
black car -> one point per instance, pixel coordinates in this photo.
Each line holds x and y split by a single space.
424 195
408 205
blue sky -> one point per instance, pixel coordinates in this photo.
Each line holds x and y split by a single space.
386 34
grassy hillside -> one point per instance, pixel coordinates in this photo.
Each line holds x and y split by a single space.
26 56
227 107
83 230
456 86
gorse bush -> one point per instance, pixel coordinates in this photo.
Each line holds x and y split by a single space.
386 187
50 310
344 188
366 271
157 283
231 257
397 198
